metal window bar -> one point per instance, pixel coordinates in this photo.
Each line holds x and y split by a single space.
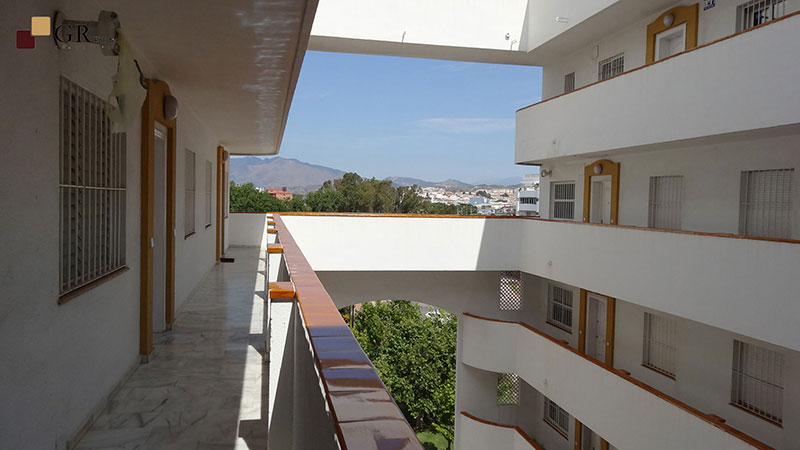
666 194
507 389
766 203
560 306
569 82
756 12
189 197
757 384
563 200
510 290
556 416
660 344
611 67
92 189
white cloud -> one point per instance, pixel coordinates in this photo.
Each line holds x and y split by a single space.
467 125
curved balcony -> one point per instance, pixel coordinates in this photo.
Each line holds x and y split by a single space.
478 434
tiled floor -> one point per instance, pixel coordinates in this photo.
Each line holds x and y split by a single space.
204 388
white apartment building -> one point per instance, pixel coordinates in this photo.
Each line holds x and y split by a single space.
528 196
652 305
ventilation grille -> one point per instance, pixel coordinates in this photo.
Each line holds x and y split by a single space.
766 203
758 380
92 189
507 389
510 291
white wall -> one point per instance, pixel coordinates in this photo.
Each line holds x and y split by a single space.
475 435
60 362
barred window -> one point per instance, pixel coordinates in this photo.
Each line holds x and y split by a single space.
666 194
757 384
562 204
529 200
559 307
569 82
556 416
660 336
756 12
189 203
507 389
611 67
209 184
92 190
766 203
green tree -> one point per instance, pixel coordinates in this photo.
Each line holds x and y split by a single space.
326 199
415 357
408 201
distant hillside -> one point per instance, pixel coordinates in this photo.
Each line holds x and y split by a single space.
408 181
299 177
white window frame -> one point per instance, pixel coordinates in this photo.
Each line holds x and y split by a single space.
757 381
557 417
611 67
554 200
190 193
209 196
659 344
557 309
92 190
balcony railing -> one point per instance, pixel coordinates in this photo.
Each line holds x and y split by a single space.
705 92
328 394
478 434
590 389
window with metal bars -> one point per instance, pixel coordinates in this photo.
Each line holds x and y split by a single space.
92 189
569 82
562 204
556 416
190 187
666 194
507 389
209 184
757 384
766 203
756 12
510 290
660 343
559 306
611 67
529 200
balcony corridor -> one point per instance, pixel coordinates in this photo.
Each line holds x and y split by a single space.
203 388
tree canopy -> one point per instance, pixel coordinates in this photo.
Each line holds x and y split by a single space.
351 193
415 357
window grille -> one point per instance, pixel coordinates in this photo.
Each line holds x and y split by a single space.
569 82
559 307
756 12
766 203
563 200
189 203
611 67
507 389
209 184
664 210
510 290
556 416
529 200
757 384
92 182
660 342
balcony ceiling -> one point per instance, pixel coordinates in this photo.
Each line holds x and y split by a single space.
233 64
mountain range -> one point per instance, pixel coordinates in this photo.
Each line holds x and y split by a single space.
300 177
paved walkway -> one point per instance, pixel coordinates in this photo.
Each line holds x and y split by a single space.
204 388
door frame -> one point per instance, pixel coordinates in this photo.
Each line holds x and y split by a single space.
152 112
221 166
605 167
680 15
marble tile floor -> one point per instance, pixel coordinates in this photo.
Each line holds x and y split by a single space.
203 388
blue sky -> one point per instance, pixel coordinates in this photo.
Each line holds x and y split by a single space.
384 116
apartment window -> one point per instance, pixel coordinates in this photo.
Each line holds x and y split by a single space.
660 342
559 307
757 384
665 202
529 200
556 416
569 82
91 190
510 290
507 389
562 203
756 12
766 203
189 203
209 184
611 67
